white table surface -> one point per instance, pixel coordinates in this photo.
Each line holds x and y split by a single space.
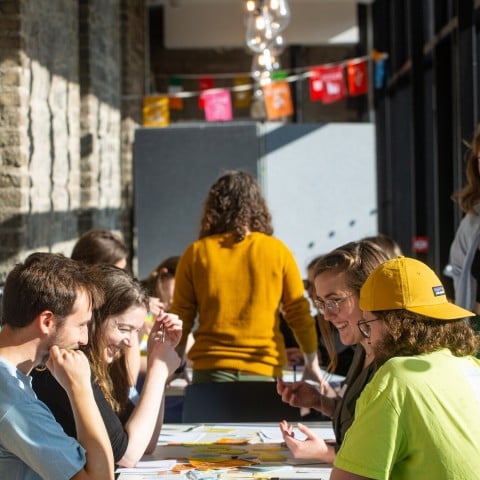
180 442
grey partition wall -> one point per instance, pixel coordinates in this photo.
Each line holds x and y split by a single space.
319 181
173 170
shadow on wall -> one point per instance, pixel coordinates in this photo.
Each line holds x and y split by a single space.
49 231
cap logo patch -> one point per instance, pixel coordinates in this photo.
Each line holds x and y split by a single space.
437 291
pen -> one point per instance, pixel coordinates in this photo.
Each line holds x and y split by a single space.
294 373
162 333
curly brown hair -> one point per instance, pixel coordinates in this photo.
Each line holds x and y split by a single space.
410 333
235 204
469 195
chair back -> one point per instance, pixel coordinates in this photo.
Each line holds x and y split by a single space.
235 402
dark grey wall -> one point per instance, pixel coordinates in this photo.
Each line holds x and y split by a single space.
173 169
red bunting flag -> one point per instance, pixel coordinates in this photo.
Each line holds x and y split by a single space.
357 77
333 84
205 83
316 84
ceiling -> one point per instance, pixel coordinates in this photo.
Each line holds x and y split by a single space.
221 23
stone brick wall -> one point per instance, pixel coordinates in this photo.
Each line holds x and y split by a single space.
65 128
100 83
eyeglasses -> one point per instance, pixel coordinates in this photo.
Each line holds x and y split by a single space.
364 327
333 306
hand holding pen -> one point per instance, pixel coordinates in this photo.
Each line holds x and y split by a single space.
167 328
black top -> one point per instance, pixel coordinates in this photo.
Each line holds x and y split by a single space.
352 387
50 392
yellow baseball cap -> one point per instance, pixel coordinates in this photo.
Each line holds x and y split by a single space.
408 284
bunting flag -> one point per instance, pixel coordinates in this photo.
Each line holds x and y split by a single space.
204 83
357 77
379 74
155 111
242 98
175 86
326 84
316 84
278 100
217 105
333 84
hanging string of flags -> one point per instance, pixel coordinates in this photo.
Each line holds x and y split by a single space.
328 83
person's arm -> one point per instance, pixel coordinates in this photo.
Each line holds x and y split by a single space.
72 371
312 447
144 423
133 359
302 394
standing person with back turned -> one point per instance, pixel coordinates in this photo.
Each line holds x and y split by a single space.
464 251
419 417
47 305
235 277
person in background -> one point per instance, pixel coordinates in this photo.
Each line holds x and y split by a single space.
387 244
100 246
464 250
47 305
161 281
133 430
161 284
235 277
418 418
338 277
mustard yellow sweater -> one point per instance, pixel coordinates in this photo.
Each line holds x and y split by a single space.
236 289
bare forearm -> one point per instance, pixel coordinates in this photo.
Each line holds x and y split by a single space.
92 435
143 421
326 405
158 427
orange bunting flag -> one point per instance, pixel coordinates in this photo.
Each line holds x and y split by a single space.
357 77
155 111
333 83
205 83
217 105
278 100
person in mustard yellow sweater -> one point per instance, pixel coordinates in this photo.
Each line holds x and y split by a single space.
235 277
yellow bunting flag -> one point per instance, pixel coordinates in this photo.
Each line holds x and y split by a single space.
242 98
156 112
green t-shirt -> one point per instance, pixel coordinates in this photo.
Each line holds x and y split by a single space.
418 419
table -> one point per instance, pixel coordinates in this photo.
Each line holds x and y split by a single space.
227 452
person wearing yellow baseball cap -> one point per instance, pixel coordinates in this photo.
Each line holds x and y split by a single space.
419 417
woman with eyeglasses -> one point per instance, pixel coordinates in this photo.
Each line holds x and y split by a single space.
419 417
338 277
133 429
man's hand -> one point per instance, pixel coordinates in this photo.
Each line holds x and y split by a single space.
69 367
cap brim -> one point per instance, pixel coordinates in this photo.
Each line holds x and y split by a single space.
442 311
